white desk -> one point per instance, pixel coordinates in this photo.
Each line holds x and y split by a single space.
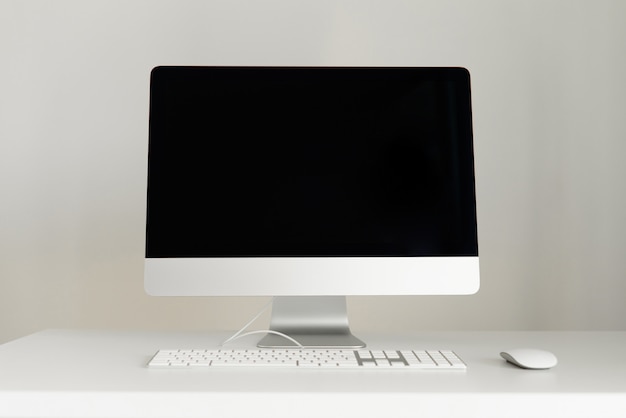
67 373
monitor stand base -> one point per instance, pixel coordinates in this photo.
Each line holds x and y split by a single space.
313 321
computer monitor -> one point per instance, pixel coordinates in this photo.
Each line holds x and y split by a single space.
310 184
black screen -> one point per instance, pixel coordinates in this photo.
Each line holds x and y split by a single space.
266 161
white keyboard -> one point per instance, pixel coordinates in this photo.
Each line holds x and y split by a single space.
309 358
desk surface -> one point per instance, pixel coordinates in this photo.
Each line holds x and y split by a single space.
103 373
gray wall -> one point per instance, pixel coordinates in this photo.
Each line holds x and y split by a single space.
549 98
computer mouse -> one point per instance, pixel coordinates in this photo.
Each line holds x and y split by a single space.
530 358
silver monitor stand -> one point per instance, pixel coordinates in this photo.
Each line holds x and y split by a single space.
313 321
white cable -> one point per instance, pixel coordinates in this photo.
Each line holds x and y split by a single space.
236 334
239 334
265 331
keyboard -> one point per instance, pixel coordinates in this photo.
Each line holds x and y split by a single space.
309 358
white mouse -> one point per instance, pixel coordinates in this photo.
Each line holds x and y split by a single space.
530 358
